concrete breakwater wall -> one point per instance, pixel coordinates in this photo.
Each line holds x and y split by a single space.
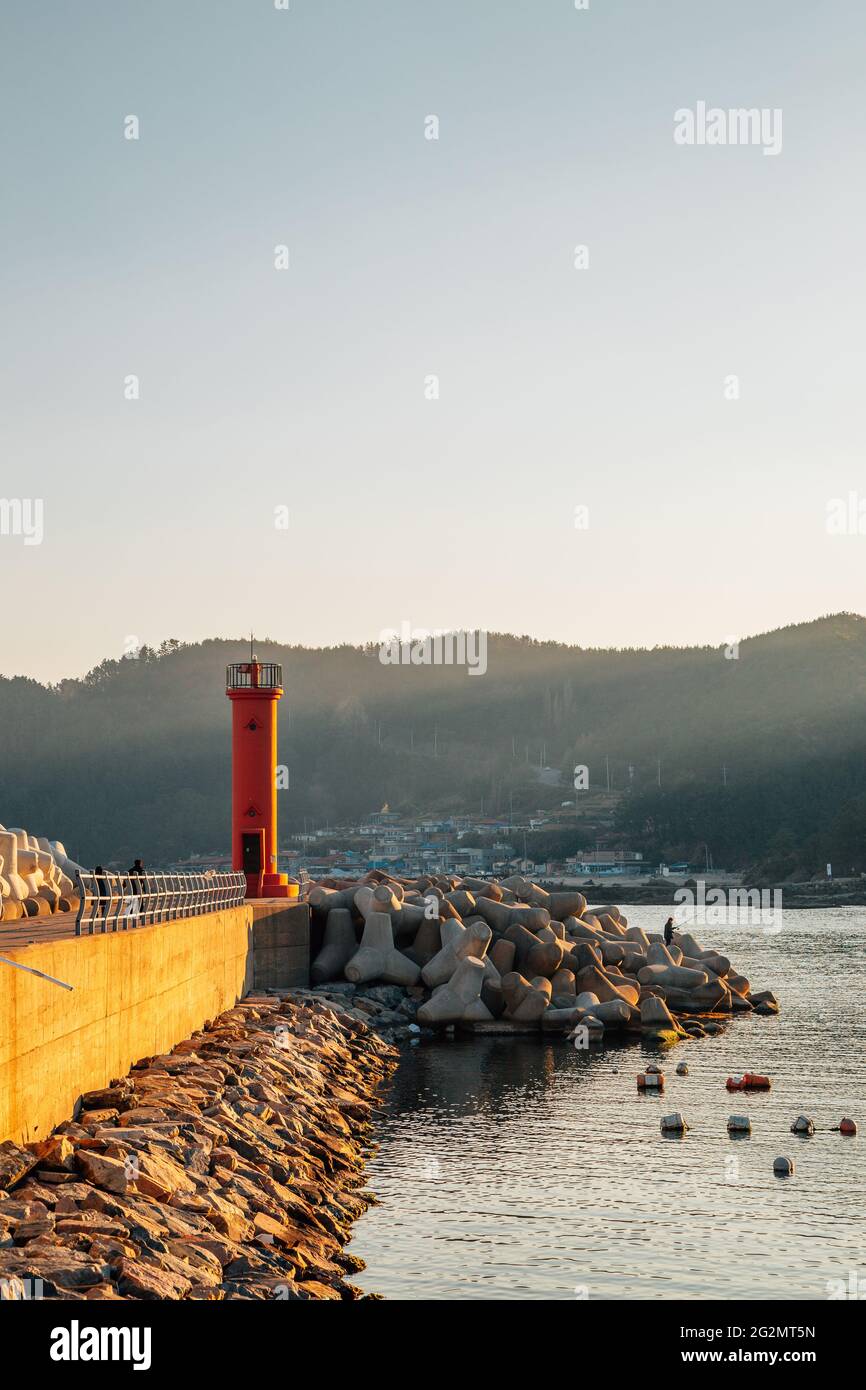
135 994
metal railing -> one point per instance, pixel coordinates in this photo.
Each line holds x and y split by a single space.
118 902
254 675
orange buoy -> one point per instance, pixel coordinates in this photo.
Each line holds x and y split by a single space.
749 1081
847 1126
651 1081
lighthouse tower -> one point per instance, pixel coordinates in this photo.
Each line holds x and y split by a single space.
254 687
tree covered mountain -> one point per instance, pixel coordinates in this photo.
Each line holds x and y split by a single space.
135 758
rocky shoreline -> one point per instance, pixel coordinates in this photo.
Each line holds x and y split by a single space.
230 1168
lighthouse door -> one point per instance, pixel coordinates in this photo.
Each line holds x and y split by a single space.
253 851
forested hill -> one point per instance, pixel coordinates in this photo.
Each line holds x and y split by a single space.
134 757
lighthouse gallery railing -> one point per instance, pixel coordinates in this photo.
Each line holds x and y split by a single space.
119 902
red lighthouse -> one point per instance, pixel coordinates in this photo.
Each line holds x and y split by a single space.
254 687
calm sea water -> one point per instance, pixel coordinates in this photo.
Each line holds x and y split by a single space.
525 1169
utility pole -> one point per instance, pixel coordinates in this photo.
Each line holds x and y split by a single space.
659 771
607 770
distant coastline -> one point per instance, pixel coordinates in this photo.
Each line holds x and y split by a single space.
836 893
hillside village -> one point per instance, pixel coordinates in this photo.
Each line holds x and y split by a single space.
411 845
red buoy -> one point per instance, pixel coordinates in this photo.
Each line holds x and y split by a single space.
749 1081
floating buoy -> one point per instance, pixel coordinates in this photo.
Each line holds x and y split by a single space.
739 1124
803 1125
682 1068
651 1081
847 1126
783 1166
749 1081
674 1123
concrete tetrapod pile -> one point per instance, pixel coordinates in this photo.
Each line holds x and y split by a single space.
37 877
227 1168
508 956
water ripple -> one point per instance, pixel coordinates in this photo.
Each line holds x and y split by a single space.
511 1168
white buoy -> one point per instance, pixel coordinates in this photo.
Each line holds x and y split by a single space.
674 1123
739 1124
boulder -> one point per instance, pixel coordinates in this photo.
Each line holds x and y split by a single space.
448 1003
493 998
458 942
324 900
582 954
500 916
523 942
565 904
563 982
377 957
633 961
638 936
502 953
544 958
462 901
675 976
525 1000
338 947
597 982
613 1013
111 1174
426 943
657 1021
560 1020
709 998
612 952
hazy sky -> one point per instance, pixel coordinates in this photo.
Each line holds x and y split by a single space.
304 388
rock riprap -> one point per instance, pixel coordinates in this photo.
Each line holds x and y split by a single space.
229 1168
507 956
